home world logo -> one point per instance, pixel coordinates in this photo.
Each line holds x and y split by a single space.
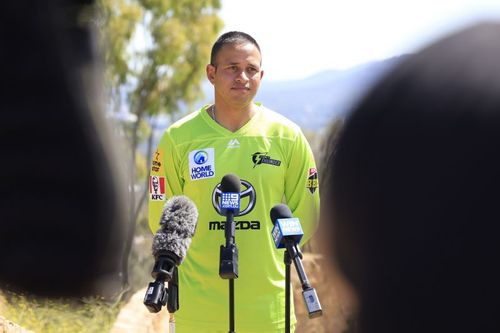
202 163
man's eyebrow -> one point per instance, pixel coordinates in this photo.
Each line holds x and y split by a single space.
238 63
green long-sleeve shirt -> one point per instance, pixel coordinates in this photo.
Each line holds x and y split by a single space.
275 164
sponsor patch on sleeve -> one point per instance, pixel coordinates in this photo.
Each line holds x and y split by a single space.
156 164
312 180
157 188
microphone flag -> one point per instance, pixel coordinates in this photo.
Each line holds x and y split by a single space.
289 228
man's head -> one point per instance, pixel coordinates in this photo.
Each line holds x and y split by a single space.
235 69
231 37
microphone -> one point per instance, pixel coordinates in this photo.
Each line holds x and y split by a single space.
287 233
170 244
286 228
230 199
228 264
229 206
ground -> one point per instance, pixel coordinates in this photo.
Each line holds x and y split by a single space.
335 297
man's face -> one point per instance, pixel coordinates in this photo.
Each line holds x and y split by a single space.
236 74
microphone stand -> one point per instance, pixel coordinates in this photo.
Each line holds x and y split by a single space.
288 262
228 268
173 299
308 293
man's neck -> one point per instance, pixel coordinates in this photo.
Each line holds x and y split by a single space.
231 118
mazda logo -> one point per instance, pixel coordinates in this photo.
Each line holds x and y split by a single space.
248 192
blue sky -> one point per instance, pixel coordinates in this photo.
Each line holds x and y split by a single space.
299 38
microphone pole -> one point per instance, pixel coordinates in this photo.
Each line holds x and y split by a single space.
288 262
287 233
308 293
228 266
173 300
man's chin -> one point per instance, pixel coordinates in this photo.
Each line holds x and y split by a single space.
243 95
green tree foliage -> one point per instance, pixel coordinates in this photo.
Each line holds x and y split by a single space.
177 36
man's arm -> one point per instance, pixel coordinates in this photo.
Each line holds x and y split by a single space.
301 186
165 179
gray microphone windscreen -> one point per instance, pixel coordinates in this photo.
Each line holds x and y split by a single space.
177 227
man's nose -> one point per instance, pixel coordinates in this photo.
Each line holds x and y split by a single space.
242 76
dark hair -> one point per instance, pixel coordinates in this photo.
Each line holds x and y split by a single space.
231 37
416 190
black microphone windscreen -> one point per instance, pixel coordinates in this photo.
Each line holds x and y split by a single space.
280 211
177 227
230 183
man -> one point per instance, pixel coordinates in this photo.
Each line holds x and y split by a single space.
274 161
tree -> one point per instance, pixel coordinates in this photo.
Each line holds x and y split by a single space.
158 78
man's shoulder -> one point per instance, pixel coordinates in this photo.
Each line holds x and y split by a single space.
184 128
192 119
278 123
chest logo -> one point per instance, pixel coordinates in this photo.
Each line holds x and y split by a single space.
248 198
202 163
264 158
233 143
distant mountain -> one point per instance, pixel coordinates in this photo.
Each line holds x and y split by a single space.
314 101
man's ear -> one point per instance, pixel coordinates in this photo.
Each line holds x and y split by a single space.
261 74
211 73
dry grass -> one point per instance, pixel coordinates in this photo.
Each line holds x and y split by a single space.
335 296
59 316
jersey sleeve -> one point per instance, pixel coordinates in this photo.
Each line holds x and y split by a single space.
301 186
165 179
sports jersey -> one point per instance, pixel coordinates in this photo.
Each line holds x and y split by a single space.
275 164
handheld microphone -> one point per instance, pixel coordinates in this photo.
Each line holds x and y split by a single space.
287 233
228 265
230 198
170 244
229 206
230 194
285 227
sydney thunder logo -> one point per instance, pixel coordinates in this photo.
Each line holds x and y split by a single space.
264 158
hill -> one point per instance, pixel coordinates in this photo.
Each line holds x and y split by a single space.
314 101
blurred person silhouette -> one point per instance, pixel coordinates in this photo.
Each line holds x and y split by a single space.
61 231
414 182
